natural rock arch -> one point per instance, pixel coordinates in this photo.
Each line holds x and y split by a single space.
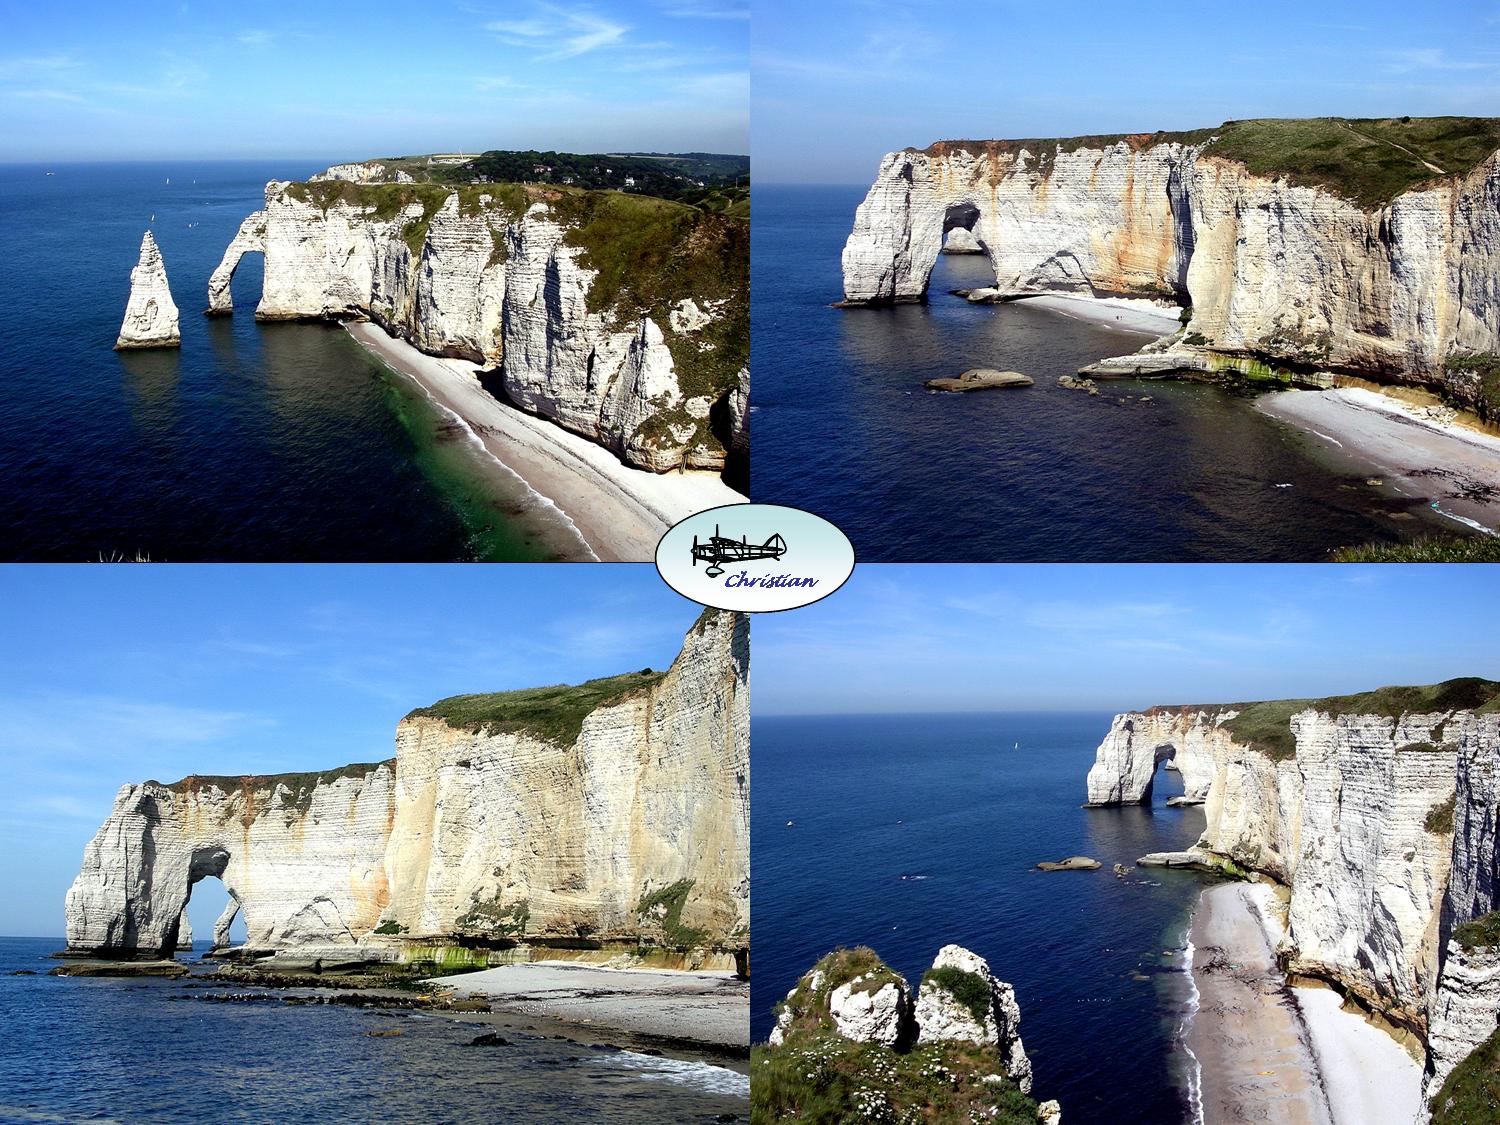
249 239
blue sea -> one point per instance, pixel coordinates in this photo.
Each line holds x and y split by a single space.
274 442
146 1050
908 832
844 428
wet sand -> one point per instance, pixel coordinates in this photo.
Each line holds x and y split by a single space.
618 512
1454 469
1252 1046
1132 314
707 1008
1274 1054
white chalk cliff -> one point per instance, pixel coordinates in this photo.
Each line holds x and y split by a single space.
632 830
150 314
1378 812
1273 270
515 279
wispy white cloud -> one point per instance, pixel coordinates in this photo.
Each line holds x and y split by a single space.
707 10
257 37
557 32
1417 59
47 95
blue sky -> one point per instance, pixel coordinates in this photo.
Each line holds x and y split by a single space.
1010 638
120 673
104 81
838 84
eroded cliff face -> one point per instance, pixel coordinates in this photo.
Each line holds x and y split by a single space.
1381 825
621 318
637 830
1272 270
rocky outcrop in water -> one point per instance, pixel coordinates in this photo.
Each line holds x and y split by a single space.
620 817
622 318
150 314
1378 811
1275 269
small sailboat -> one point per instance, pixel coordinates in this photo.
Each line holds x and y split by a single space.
1017 746
169 179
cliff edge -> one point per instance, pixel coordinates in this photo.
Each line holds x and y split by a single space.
1295 247
621 317
610 815
1379 811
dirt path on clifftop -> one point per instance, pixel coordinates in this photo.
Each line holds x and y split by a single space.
1377 141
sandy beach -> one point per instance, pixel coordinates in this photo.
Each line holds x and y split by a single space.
1454 469
618 512
1132 314
711 1009
1271 1053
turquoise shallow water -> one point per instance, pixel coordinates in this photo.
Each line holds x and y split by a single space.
118 1050
907 832
276 442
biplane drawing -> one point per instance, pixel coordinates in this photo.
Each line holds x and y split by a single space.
721 549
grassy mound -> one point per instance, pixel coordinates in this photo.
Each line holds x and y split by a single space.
1471 1095
1367 160
553 713
824 1079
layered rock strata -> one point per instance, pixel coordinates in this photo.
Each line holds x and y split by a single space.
621 318
150 313
1273 268
1378 812
630 828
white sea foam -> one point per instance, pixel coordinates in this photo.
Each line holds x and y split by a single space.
681 1072
1195 1068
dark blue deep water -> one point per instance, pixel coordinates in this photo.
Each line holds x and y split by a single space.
909 832
281 442
844 428
115 1050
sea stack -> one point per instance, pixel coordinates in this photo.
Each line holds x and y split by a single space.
151 315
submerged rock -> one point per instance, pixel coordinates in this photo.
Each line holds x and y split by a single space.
1072 863
150 314
979 379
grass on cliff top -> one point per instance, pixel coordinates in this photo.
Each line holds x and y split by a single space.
825 1079
266 782
554 713
1367 160
1266 726
1471 1094
809 1006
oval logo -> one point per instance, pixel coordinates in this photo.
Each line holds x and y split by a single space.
758 558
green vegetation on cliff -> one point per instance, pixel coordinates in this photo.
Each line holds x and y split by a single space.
1471 1094
969 989
1430 548
299 785
1367 160
1481 931
664 906
554 713
1266 726
824 1079
816 1075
